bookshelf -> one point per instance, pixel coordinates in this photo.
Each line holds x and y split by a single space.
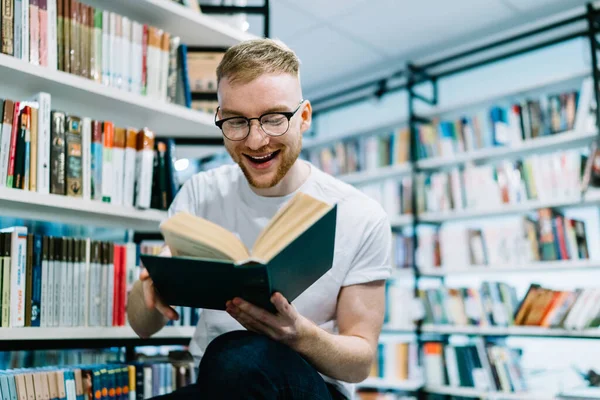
85 97
92 333
193 28
79 96
55 208
540 266
456 147
376 383
523 331
487 395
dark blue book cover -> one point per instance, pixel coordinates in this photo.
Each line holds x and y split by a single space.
36 295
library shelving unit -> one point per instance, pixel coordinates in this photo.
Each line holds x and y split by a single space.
413 78
76 95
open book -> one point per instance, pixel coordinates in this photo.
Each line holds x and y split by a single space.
210 265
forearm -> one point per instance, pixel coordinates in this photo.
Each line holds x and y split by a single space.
347 358
143 321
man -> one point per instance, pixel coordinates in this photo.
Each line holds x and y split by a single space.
316 347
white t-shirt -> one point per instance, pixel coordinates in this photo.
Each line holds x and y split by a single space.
362 245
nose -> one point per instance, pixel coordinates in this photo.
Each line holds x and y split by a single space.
257 138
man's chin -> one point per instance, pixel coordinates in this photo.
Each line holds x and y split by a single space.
261 180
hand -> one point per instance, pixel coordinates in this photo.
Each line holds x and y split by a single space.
287 326
152 299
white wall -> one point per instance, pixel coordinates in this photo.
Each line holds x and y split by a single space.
512 74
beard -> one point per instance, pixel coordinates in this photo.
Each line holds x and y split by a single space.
288 154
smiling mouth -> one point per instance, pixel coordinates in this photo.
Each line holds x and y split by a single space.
263 158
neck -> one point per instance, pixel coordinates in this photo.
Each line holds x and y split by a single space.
294 178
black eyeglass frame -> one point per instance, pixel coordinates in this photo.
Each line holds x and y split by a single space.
287 114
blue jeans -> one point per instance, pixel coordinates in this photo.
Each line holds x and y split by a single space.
246 365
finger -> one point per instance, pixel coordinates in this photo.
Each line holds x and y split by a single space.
149 296
255 312
283 306
167 311
144 275
248 320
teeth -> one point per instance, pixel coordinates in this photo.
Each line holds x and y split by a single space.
262 157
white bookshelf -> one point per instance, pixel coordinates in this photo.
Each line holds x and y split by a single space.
383 384
536 331
370 176
83 97
90 333
592 198
483 394
56 208
193 28
538 266
397 221
560 141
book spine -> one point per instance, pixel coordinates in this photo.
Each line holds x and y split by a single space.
73 157
75 56
144 167
62 282
16 25
13 144
107 163
173 69
96 161
43 142
86 287
163 67
44 283
18 270
8 15
66 35
106 54
43 40
6 283
57 154
98 46
34 32
86 157
129 168
5 139
84 57
27 150
60 35
126 53
28 278
31 176
118 159
51 35
37 278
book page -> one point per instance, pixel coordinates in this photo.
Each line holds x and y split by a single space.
302 212
193 236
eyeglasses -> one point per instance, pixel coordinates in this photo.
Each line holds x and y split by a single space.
273 124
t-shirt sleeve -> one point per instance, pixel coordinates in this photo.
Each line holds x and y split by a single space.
372 260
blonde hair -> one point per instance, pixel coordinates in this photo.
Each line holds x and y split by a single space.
249 59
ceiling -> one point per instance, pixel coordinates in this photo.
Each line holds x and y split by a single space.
345 41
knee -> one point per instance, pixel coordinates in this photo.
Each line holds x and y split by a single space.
236 349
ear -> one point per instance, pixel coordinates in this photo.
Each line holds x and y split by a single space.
306 117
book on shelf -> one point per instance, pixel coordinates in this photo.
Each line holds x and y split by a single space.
106 47
210 265
475 364
396 361
496 304
364 153
138 379
58 281
51 151
509 123
543 235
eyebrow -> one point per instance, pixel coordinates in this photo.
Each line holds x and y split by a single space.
277 108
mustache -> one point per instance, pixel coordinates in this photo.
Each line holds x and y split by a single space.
262 150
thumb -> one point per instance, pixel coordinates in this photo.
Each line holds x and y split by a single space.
282 305
144 274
